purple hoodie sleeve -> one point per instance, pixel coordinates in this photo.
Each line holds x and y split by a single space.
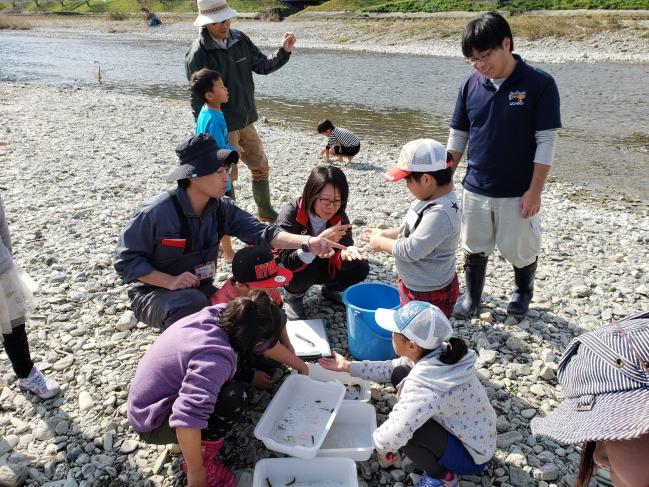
206 374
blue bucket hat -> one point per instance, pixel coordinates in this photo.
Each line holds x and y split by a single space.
605 378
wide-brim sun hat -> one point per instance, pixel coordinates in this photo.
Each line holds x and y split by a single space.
213 12
198 155
605 378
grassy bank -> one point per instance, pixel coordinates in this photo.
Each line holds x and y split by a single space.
472 6
130 6
369 6
528 27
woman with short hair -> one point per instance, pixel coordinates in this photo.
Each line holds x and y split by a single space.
320 211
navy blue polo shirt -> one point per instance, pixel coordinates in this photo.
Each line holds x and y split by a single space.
501 125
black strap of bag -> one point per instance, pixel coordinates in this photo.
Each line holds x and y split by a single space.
185 230
420 214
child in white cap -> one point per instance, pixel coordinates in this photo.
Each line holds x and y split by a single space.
443 420
604 376
424 245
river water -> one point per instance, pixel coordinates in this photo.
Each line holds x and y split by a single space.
385 98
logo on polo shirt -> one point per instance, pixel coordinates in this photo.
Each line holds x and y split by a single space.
516 98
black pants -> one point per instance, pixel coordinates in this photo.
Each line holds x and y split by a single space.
317 272
17 348
347 151
231 403
428 444
161 308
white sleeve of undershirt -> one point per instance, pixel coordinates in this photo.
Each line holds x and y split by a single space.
457 140
546 146
306 257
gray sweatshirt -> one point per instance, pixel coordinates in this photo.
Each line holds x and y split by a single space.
425 256
450 394
6 262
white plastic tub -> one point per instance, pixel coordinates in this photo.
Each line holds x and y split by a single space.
321 472
351 434
298 418
317 372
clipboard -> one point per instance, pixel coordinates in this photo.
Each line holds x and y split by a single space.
309 338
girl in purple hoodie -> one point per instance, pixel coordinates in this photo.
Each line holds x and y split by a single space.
183 389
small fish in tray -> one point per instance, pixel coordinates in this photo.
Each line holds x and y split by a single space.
352 392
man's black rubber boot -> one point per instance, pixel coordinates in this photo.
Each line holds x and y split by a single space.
523 290
475 270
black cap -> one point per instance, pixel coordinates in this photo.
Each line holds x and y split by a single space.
256 266
198 156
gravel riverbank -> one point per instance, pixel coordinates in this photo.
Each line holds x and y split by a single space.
625 38
80 160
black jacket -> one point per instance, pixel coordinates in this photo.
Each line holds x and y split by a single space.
236 65
294 218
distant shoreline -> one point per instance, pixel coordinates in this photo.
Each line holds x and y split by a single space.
550 36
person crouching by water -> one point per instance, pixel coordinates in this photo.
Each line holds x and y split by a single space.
182 391
320 213
604 375
150 18
443 420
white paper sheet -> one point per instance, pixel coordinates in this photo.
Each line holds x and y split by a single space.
309 338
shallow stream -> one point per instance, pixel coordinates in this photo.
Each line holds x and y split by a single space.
384 98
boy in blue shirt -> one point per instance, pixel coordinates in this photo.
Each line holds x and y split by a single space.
208 85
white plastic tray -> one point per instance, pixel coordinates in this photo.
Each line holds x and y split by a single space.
299 416
323 472
317 372
351 434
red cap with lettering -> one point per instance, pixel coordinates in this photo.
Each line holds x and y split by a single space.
256 267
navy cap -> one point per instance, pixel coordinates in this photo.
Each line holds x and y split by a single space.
199 156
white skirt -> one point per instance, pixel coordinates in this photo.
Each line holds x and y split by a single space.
16 297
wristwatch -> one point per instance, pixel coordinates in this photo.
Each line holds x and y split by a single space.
306 246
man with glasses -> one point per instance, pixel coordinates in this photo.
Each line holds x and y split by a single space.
508 113
235 57
169 247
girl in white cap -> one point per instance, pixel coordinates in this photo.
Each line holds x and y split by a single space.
605 378
443 420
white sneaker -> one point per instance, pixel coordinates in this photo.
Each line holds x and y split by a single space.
39 384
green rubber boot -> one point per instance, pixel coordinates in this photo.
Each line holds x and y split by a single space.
261 194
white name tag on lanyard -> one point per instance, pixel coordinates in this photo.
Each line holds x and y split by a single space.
206 271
